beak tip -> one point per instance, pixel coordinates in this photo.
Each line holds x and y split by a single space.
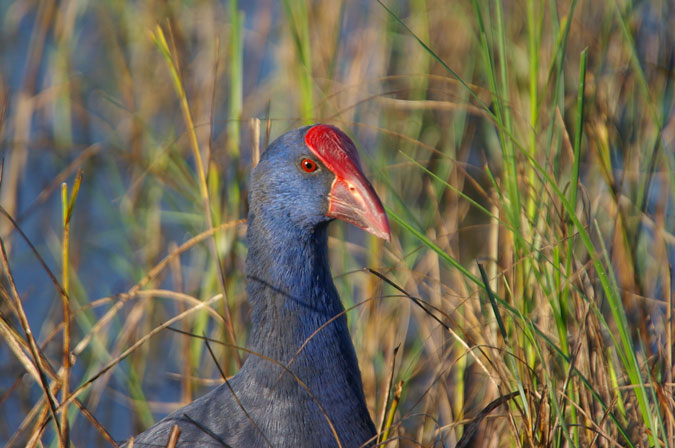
381 228
383 235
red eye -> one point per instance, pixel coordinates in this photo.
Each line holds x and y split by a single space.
308 165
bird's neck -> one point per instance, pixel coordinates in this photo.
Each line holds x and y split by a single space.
302 363
296 314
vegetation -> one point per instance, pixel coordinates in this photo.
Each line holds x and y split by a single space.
524 151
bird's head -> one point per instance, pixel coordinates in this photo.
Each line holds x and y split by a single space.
311 175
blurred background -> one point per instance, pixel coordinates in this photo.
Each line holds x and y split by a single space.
535 139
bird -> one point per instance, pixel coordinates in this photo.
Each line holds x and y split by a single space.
300 385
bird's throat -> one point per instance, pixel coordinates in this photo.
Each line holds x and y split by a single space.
296 313
300 347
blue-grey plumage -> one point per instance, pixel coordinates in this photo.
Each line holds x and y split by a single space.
301 387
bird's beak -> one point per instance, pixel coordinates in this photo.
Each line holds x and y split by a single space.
353 199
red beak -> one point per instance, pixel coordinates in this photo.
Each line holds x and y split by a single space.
354 201
351 198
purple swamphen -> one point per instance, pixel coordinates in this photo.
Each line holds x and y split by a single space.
301 386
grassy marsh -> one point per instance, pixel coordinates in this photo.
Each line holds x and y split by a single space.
525 152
